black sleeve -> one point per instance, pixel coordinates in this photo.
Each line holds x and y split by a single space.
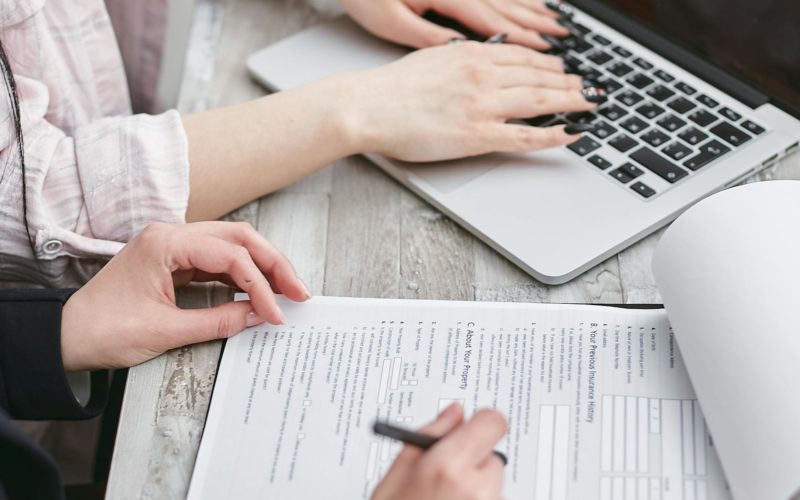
33 384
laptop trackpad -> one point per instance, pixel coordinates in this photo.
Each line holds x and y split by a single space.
447 176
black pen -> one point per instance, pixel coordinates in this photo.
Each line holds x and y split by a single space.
422 441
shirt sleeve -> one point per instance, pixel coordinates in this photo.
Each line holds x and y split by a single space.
33 383
89 190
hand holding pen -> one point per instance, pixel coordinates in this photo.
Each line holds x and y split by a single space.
461 464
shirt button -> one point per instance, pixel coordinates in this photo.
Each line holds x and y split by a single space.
53 246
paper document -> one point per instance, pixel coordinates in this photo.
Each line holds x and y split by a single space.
598 400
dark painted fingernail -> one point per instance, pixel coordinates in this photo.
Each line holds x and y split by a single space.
454 41
560 8
496 39
594 94
578 128
586 83
553 41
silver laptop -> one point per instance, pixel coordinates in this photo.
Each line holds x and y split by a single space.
703 94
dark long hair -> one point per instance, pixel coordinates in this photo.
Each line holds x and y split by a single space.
13 98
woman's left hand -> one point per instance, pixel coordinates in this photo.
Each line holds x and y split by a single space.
401 21
127 314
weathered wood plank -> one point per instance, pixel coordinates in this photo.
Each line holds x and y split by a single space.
166 401
297 224
363 253
436 257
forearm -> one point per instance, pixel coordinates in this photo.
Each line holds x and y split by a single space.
240 153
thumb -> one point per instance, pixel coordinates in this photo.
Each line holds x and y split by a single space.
412 30
193 326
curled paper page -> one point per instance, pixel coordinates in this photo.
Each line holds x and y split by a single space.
729 274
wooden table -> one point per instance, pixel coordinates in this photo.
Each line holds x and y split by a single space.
350 230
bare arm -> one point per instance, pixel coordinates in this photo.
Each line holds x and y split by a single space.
239 153
435 104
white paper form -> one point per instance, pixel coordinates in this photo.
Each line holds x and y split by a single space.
729 272
598 400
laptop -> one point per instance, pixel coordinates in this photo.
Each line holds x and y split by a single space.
703 93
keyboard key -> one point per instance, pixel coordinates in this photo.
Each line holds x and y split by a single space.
576 44
682 105
671 123
660 93
609 84
603 130
584 146
632 170
589 73
709 152
640 81
658 165
730 133
622 51
707 101
623 143
663 75
685 88
634 125
655 138
581 117
601 39
580 28
599 57
730 114
643 189
650 110
752 127
642 63
620 175
693 136
600 162
613 112
677 151
571 63
702 117
629 98
619 69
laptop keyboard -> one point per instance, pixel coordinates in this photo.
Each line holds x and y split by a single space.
658 122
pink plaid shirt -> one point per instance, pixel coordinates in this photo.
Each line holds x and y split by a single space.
96 175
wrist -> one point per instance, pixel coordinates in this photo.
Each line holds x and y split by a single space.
347 118
71 349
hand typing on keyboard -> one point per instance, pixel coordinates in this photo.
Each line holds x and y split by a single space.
459 100
401 21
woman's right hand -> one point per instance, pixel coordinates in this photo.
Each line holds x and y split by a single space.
461 466
455 100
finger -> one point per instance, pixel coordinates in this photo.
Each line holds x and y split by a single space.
217 256
519 76
530 19
483 19
191 326
473 442
490 478
514 55
449 419
512 138
269 259
523 102
414 31
539 7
